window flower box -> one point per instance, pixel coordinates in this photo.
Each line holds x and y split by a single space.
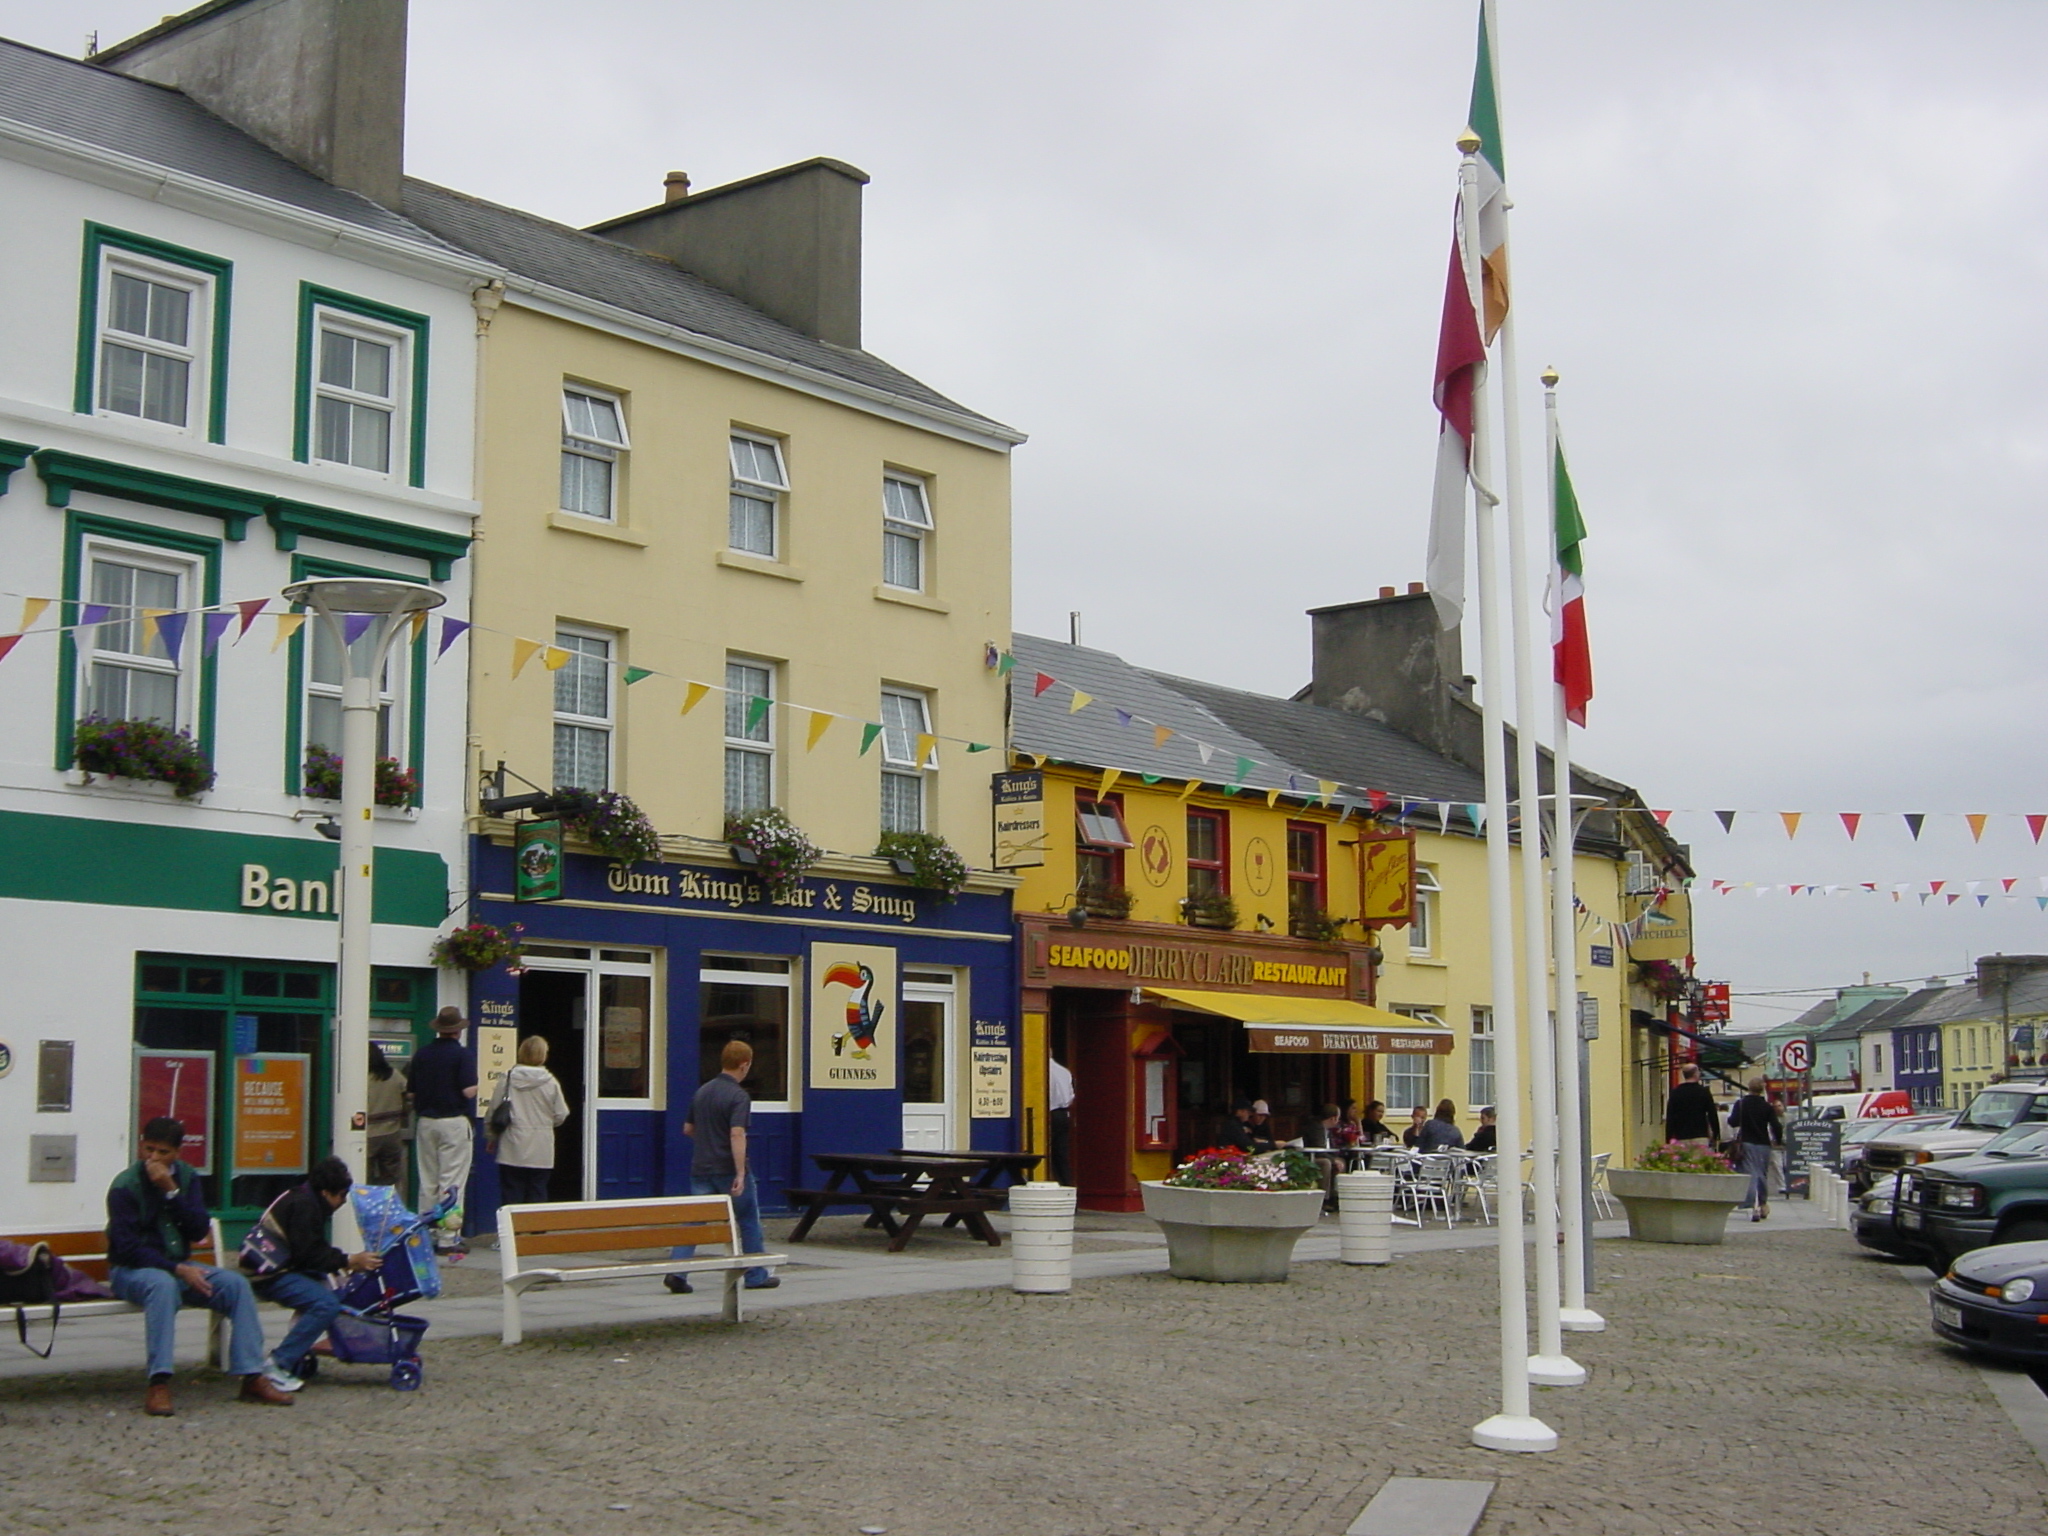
143 751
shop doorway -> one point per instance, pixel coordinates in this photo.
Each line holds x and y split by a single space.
555 1004
595 1009
931 1062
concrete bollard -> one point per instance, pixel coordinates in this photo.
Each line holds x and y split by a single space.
1041 1238
1365 1218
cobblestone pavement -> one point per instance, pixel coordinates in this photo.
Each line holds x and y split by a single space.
1783 1381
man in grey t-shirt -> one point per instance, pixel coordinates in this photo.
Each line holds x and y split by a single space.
717 1128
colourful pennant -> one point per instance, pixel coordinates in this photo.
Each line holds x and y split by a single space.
451 631
289 624
634 674
418 620
1161 735
522 652
1327 788
355 625
7 644
1189 788
554 657
927 744
214 626
1272 797
869 731
693 695
1206 750
1914 820
1976 819
757 709
1663 818
1791 820
1851 820
2035 824
1478 814
33 608
1727 820
977 746
93 613
1109 778
1148 778
1040 683
1081 702
821 722
1377 799
1006 664
1244 766
148 628
1123 717
249 608
170 628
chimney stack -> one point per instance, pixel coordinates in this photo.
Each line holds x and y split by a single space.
787 242
322 82
675 186
1388 660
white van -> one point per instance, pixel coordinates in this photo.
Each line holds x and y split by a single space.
1884 1104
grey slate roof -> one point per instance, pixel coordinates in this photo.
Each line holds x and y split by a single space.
167 128
1330 744
568 258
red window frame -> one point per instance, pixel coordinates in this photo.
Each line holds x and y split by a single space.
1307 889
1104 857
1218 866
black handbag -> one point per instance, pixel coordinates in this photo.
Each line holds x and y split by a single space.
34 1283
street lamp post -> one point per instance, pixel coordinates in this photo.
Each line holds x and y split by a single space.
364 617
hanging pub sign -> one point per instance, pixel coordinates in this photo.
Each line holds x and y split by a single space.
1386 873
1020 819
1714 1003
537 861
1662 926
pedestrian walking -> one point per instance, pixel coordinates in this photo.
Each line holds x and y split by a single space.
155 1213
386 1157
1690 1115
526 1150
717 1129
1756 1127
443 1094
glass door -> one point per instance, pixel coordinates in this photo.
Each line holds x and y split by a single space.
930 1062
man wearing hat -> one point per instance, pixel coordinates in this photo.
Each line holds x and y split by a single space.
442 1087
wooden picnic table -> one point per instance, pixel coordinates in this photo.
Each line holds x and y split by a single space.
914 1185
994 1165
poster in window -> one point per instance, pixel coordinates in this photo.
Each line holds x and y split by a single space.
537 861
1386 867
496 1047
1020 820
178 1084
272 1124
622 1037
854 1014
989 1098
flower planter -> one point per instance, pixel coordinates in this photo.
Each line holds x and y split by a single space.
1677 1207
1231 1236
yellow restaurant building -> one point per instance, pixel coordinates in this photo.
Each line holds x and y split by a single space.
732 562
1219 914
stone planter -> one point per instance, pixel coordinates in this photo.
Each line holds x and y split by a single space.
1677 1207
1232 1236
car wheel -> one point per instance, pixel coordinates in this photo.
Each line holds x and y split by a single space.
2025 1232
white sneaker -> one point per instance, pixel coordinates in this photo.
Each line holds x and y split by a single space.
280 1378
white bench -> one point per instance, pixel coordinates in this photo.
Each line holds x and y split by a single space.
86 1252
610 1226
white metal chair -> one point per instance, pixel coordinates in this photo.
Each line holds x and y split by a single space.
1605 1206
1480 1174
1432 1184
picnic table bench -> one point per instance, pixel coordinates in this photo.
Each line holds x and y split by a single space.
958 1185
86 1252
610 1226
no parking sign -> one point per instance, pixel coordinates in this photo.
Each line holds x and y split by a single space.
1795 1057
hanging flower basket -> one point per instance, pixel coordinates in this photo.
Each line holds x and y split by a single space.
395 782
1211 911
141 749
610 823
477 947
927 859
770 844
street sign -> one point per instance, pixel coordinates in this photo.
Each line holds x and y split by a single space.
1795 1057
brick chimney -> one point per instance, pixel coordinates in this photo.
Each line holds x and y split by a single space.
322 82
786 241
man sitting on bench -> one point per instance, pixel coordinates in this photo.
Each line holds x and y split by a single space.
155 1212
717 1128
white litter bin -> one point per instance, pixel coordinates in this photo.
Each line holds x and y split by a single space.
1041 1238
1365 1218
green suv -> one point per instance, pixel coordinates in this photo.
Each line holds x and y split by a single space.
1999 1194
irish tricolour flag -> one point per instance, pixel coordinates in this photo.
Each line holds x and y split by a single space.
1572 663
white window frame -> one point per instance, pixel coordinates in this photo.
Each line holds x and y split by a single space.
593 448
763 746
793 1042
900 762
196 353
747 483
1422 934
1426 1073
1477 1077
141 557
393 405
578 637
906 527
1099 823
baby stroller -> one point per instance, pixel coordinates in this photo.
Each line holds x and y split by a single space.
371 1330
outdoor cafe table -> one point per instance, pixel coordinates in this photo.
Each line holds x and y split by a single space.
914 1185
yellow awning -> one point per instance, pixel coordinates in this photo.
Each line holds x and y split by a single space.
1314 1024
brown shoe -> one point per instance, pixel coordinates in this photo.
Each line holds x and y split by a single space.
256 1390
156 1402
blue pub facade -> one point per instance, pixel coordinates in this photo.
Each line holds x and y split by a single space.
881 1016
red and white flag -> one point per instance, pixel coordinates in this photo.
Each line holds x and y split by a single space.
1459 356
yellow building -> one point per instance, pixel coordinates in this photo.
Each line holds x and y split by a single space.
732 562
1127 953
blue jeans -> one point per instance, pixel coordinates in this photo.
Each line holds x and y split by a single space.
746 1215
1756 1162
160 1294
317 1304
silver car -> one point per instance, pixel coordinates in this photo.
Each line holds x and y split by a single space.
1997 1108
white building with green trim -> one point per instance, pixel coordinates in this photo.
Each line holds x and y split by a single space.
220 373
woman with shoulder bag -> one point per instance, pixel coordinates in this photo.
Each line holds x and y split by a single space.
1756 1126
522 1126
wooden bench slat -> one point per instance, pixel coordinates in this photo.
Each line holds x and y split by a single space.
626 1238
618 1213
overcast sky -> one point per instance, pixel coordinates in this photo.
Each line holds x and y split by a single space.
1788 259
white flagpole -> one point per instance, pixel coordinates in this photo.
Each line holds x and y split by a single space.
1513 1428
1574 1314
1549 1366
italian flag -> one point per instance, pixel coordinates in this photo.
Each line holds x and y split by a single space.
1572 658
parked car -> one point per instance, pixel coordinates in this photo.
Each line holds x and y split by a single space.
1856 1137
1995 1302
1880 1104
1996 1109
1998 1196
1871 1220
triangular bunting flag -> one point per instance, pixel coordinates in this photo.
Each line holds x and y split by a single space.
250 607
635 674
1161 735
355 625
977 746
1272 797
522 653
1244 766
211 629
2041 902
1190 787
821 722
757 709
1123 717
2035 824
1934 887
1006 664
33 608
1081 702
694 695
1727 820
1851 820
1148 778
1109 778
1377 799
2009 884
1791 820
1041 683
927 744
90 614
1663 818
7 644
1914 819
1478 814
1037 759
171 629
1327 788
1443 815
1794 890
289 624
151 617
1205 749
419 623
1971 886
1976 819
554 658
451 631
1953 897
1982 899
869 731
